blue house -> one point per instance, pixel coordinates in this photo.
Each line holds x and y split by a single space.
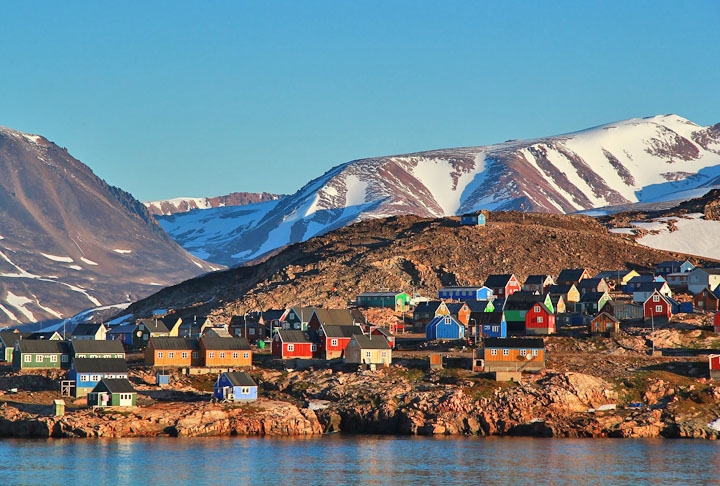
674 266
466 293
444 327
85 373
472 219
490 324
235 386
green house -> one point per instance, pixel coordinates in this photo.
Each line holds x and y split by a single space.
7 343
40 355
112 392
400 301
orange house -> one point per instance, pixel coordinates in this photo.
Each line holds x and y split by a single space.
223 352
516 354
173 351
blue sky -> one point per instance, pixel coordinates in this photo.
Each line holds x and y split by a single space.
176 98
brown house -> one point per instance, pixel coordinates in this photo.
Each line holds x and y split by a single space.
707 300
225 352
604 323
173 351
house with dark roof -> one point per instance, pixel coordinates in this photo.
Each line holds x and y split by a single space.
572 276
330 317
89 331
235 386
97 349
85 373
425 311
502 285
173 352
538 283
591 303
513 354
334 339
291 343
517 307
701 278
593 285
466 293
604 323
400 301
296 318
674 266
707 300
444 328
40 354
368 349
222 352
7 343
488 324
480 305
112 392
247 326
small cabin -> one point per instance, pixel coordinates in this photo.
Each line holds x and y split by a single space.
476 219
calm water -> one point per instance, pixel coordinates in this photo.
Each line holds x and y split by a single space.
359 460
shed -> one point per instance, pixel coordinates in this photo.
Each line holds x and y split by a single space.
59 407
235 386
112 393
714 365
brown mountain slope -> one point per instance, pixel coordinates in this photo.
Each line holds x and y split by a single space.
407 254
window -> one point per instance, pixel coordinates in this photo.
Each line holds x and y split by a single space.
246 355
245 390
313 347
184 354
493 352
95 378
534 352
212 354
83 378
53 358
656 298
539 319
291 347
658 308
160 354
236 355
194 354
251 331
506 352
383 354
171 354
64 358
486 327
222 354
39 358
537 308
523 352
496 329
368 354
333 342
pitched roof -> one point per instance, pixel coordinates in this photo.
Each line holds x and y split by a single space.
97 346
225 344
342 331
429 306
481 318
454 307
240 378
477 305
570 275
592 296
293 336
124 329
514 343
100 365
369 342
115 385
497 280
87 329
43 346
154 325
561 288
380 294
650 286
175 343
536 279
10 337
589 283
606 315
336 317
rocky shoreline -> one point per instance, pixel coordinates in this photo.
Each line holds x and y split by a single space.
394 401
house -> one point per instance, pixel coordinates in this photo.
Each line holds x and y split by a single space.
334 339
513 354
85 373
624 310
592 285
645 290
40 354
707 300
460 311
674 266
572 276
425 311
558 302
444 328
489 324
222 352
400 301
290 343
657 308
569 293
637 282
7 343
714 365
46 336
247 326
173 323
330 317
194 328
604 323
466 293
592 302
218 332
97 349
716 322
473 219
173 352
271 319
89 331
368 349
379 331
296 318
678 282
112 392
125 334
617 279
235 386
538 283
517 306
480 305
701 278
540 320
502 285
149 328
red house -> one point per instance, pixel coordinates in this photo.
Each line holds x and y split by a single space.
716 322
502 285
657 308
714 364
334 340
539 320
289 343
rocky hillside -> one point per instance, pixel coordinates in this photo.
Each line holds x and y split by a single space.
410 254
69 241
185 204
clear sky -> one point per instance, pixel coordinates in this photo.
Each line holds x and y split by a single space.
174 98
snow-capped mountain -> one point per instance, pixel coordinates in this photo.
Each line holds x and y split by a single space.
632 161
69 241
184 204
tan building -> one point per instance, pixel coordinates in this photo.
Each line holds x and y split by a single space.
368 349
232 352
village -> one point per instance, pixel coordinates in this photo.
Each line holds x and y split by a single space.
499 330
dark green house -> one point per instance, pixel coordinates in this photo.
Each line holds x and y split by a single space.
112 392
40 355
399 301
7 343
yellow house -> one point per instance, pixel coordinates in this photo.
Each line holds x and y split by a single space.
368 349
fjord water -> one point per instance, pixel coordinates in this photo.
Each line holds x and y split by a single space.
368 460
